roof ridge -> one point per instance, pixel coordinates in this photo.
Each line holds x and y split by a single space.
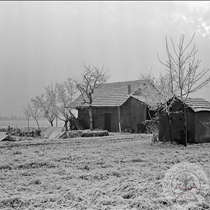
197 98
126 81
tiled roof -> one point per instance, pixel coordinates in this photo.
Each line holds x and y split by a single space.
111 94
198 104
148 94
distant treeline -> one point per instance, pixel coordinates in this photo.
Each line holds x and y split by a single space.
12 118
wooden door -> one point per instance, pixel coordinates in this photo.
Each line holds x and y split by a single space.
107 121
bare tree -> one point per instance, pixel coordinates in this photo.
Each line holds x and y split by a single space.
65 94
183 68
45 103
160 99
51 99
35 113
92 78
183 74
162 86
27 114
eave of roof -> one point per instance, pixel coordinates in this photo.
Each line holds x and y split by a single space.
198 104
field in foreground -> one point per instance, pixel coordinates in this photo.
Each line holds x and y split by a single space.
117 172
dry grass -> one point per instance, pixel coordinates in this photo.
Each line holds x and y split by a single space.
116 172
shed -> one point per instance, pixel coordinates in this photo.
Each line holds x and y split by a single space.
119 106
197 121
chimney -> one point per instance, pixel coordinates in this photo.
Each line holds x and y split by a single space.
129 89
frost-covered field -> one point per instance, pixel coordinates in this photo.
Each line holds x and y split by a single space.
24 124
118 172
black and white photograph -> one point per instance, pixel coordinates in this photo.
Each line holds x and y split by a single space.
104 105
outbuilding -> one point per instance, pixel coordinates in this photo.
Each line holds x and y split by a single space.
197 121
119 106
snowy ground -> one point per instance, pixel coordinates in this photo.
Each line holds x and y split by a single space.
117 172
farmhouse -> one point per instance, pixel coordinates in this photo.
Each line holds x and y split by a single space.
119 106
197 121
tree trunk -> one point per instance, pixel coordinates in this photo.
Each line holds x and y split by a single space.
91 117
56 121
37 124
28 124
185 127
51 123
170 128
65 125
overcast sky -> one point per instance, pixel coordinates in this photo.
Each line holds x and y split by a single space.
43 42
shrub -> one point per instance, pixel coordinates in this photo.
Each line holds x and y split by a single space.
74 134
5 167
89 133
84 133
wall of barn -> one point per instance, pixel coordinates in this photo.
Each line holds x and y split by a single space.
190 115
83 114
98 117
177 124
202 127
178 121
132 115
163 127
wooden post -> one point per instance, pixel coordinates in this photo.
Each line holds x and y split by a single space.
91 117
28 123
185 126
119 119
56 121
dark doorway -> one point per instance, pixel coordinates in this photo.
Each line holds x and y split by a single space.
93 121
177 127
107 121
150 114
141 128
